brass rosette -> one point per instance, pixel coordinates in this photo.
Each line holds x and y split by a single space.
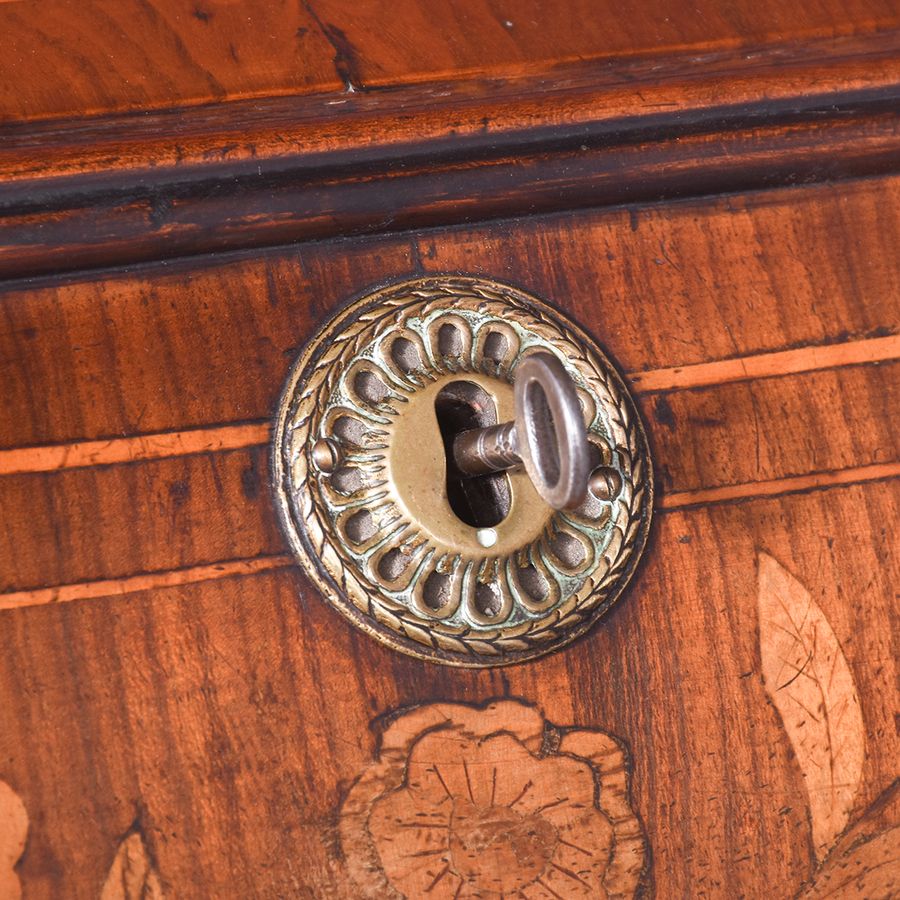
376 532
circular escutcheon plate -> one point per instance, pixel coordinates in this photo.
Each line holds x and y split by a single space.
361 481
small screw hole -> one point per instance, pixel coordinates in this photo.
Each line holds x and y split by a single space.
487 537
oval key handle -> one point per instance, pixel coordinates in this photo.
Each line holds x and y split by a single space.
548 436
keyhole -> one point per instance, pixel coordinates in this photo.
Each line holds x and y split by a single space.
481 501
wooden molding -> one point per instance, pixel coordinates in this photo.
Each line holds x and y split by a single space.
121 189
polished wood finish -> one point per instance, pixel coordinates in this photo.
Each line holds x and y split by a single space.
497 801
118 189
69 59
216 712
64 58
188 191
226 719
660 286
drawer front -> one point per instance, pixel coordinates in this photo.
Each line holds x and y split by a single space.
180 710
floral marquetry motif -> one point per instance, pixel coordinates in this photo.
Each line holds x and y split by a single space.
492 802
13 833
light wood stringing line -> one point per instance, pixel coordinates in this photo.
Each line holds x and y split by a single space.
81 454
172 578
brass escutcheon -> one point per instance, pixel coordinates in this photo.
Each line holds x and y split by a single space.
467 571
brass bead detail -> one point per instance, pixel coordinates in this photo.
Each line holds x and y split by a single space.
605 483
326 455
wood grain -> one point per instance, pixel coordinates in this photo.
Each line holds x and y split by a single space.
84 454
199 721
870 870
68 59
144 581
768 365
497 140
80 454
716 91
197 510
61 58
660 287
866 861
465 801
124 583
778 421
141 212
244 705
208 508
527 32
796 484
